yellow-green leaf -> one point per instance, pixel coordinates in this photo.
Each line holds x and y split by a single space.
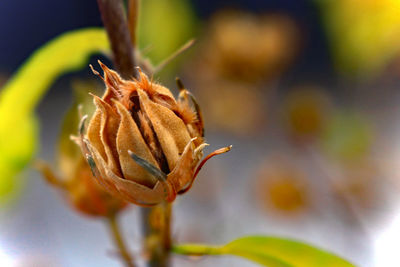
9 166
20 95
364 35
268 251
164 26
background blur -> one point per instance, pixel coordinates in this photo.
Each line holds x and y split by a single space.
307 92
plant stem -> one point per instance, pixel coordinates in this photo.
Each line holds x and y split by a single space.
133 13
115 21
156 220
157 229
197 250
119 242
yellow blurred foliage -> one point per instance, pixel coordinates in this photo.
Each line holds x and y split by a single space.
364 34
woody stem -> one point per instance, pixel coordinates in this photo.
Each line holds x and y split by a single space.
115 21
156 223
119 242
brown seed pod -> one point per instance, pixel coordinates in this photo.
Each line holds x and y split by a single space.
74 177
141 143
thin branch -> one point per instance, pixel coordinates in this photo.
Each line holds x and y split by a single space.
133 15
119 242
174 55
116 24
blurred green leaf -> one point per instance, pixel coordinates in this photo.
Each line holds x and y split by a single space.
18 98
164 26
268 251
25 143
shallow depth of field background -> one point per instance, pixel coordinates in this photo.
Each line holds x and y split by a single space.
308 94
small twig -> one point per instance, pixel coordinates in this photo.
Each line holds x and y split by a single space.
119 242
174 55
133 13
116 24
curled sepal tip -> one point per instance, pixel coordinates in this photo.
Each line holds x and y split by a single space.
209 156
82 125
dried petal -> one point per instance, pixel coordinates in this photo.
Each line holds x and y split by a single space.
182 174
129 138
108 133
93 133
132 191
170 129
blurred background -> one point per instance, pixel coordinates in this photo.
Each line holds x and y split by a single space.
306 91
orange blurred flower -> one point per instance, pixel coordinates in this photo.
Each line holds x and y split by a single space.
282 187
306 111
243 46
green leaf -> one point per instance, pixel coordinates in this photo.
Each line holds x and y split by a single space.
268 251
10 165
164 26
20 95
68 52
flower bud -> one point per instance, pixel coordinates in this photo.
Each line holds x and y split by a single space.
80 189
141 143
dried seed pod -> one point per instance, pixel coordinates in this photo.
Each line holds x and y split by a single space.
76 181
82 192
142 143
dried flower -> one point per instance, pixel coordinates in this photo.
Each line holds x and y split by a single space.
246 47
76 181
81 190
141 143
